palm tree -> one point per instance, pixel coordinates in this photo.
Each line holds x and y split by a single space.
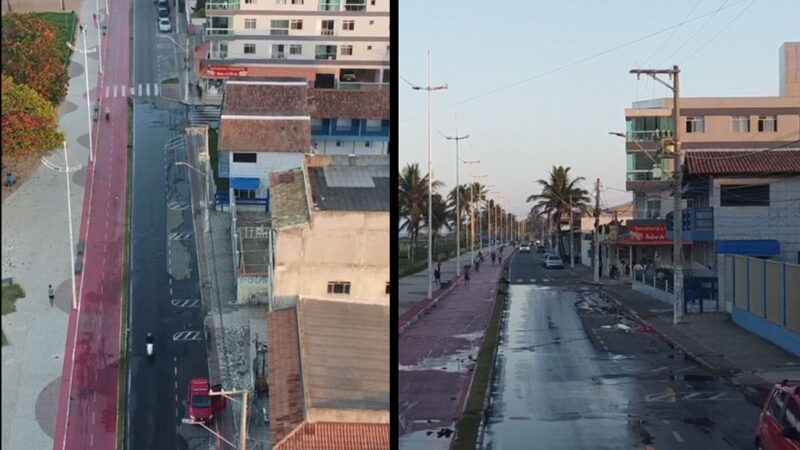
413 201
440 219
558 192
464 204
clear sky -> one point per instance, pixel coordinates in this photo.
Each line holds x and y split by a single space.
563 117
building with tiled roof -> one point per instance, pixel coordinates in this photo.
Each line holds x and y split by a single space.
268 124
741 177
329 375
331 222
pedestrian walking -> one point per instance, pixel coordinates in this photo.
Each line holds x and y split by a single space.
9 179
477 264
80 27
494 257
466 274
199 90
94 18
51 294
437 273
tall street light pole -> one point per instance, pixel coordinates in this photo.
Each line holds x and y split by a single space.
596 250
67 170
677 214
480 216
86 52
472 205
458 200
430 89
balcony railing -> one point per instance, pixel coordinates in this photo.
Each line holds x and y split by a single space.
360 128
326 32
325 56
223 5
219 31
355 6
643 136
278 55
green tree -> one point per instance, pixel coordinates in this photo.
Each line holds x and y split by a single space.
440 218
31 55
413 201
554 200
465 208
29 122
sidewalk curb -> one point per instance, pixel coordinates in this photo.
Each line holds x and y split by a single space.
755 393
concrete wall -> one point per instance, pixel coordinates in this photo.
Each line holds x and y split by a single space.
252 290
337 246
327 147
778 221
266 162
763 297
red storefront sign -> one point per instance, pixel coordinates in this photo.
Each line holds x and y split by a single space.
227 71
648 233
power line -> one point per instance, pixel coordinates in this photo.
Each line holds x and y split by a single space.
720 31
670 35
579 61
694 34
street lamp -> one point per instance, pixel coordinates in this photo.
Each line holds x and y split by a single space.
480 218
430 89
207 224
458 200
67 170
86 52
472 208
185 64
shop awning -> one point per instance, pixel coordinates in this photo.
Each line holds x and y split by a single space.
245 183
641 243
762 247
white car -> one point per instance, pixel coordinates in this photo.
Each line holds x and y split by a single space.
164 24
524 248
553 262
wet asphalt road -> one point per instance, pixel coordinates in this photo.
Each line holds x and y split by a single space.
569 376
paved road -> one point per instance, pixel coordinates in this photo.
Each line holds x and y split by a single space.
165 294
88 400
572 381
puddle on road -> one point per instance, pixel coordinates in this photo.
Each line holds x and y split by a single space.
460 362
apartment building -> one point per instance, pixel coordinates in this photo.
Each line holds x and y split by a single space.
324 41
726 141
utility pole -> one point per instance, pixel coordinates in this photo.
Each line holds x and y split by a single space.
571 236
86 52
458 200
596 250
430 89
677 213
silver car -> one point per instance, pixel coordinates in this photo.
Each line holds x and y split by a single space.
553 262
164 24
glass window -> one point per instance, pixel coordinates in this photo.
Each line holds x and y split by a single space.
245 157
349 25
344 124
250 24
325 52
297 24
767 124
338 287
355 5
740 124
695 124
297 2
791 418
279 27
776 405
744 195
326 27
347 50
244 193
373 125
278 51
249 49
388 288
295 49
328 5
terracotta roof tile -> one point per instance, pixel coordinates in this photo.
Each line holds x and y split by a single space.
286 403
338 436
248 135
252 99
753 162
337 103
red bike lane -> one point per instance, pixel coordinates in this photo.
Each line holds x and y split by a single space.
87 410
436 358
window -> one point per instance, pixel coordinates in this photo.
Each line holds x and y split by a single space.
278 51
249 49
777 404
767 124
349 25
367 144
280 2
740 124
369 47
347 50
249 24
344 124
339 287
744 195
296 24
325 52
245 157
791 418
326 27
388 289
695 124
338 143
244 193
249 2
297 2
355 5
328 5
374 125
279 27
372 22
295 49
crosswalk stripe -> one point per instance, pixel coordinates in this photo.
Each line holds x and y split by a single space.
147 89
108 90
155 90
140 89
115 91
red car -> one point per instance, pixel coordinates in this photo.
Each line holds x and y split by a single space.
199 404
779 423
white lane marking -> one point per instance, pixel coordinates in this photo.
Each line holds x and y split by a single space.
677 436
108 91
155 89
533 280
660 369
91 440
186 336
122 88
147 89
176 371
140 90
115 91
665 421
519 280
185 302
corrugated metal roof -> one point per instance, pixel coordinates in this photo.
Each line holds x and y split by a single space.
345 354
350 188
752 162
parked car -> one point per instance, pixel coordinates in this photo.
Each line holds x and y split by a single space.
199 402
163 4
779 423
540 249
164 24
553 262
163 12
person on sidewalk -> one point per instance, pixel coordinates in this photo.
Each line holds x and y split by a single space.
437 273
494 257
466 274
51 294
477 264
9 179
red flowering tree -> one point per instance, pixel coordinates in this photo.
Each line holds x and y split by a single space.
29 122
31 55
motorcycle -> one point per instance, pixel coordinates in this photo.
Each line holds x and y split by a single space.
149 342
108 113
